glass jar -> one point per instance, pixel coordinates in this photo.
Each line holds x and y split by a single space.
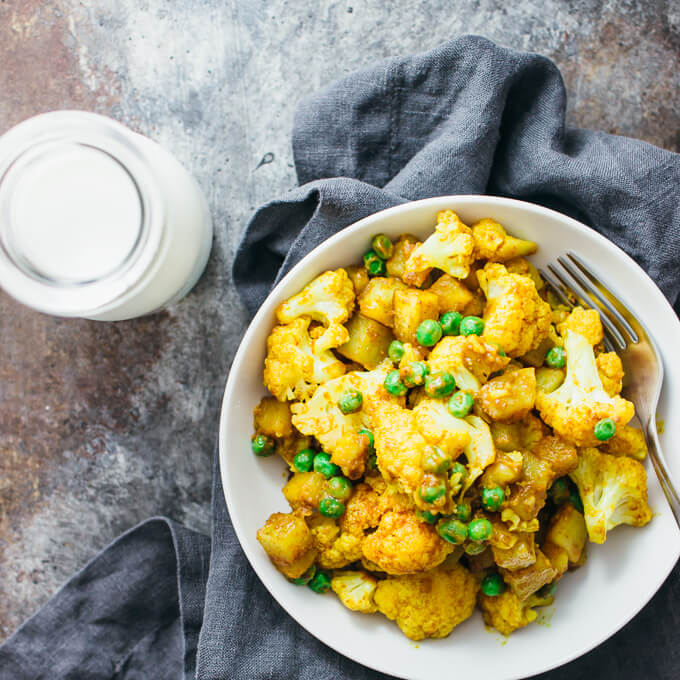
97 221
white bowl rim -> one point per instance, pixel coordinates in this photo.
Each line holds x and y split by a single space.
231 386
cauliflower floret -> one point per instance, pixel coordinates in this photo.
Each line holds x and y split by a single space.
585 322
515 316
628 441
450 248
574 408
506 613
293 368
355 590
438 425
335 549
610 370
288 542
337 432
613 491
493 243
402 544
468 359
329 299
428 605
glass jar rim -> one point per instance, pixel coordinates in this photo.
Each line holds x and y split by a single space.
112 138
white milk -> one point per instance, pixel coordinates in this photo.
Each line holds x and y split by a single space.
95 220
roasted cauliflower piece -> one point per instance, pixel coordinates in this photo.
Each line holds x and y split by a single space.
335 549
288 542
506 612
585 322
293 368
494 244
610 370
515 317
428 605
613 491
509 397
355 589
574 408
329 299
450 248
469 359
628 441
402 544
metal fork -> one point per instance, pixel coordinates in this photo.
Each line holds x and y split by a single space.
573 281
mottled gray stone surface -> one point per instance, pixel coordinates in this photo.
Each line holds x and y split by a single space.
102 425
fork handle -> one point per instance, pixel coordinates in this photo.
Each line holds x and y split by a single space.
657 458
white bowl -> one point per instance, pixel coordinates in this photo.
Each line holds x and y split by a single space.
592 603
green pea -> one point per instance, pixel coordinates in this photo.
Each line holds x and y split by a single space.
450 323
339 487
306 577
394 385
560 491
414 374
374 264
556 357
432 492
322 464
464 512
439 385
350 401
371 439
263 446
331 507
427 516
471 325
429 333
474 548
453 531
304 460
436 461
461 404
493 585
320 583
605 429
575 500
459 470
382 246
492 499
395 351
480 529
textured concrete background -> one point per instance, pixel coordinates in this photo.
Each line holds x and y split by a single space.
103 425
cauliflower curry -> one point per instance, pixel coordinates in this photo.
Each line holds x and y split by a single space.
455 436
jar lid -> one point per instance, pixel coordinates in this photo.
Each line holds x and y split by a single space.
80 214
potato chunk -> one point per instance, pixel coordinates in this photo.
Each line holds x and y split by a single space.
567 530
453 295
509 397
411 308
524 582
288 542
359 277
273 418
368 341
402 250
305 490
376 300
558 453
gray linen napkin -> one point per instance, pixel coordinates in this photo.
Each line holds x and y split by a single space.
468 117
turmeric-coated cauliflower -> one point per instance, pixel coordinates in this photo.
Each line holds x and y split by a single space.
450 248
574 408
402 544
293 367
428 605
506 612
515 316
355 589
329 299
468 358
613 491
493 243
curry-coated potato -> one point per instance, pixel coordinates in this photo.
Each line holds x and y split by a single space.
273 418
305 490
376 300
549 379
358 276
288 542
524 582
401 252
509 397
558 558
519 556
411 308
368 341
560 454
453 295
568 531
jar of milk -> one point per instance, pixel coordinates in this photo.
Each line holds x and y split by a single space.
97 221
